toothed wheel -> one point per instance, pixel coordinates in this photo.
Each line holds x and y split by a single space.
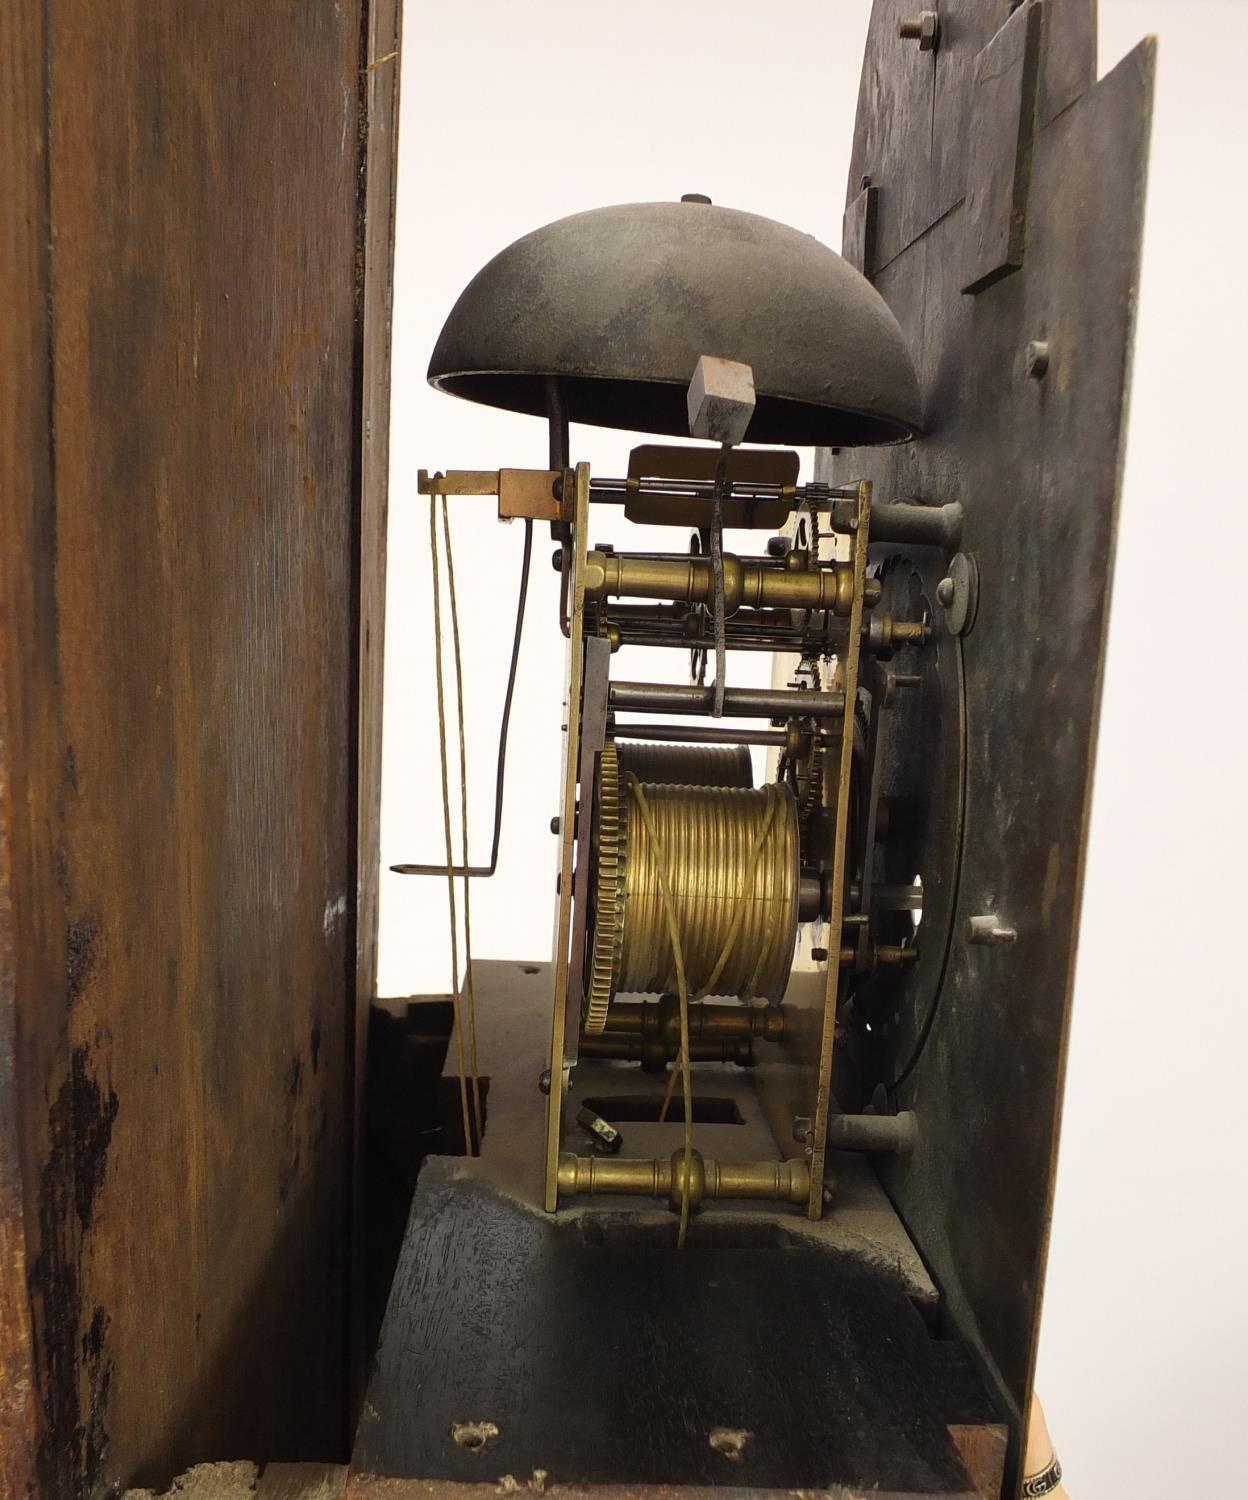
604 969
810 772
810 793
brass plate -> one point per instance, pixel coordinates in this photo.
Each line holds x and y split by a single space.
567 825
778 466
746 465
814 1207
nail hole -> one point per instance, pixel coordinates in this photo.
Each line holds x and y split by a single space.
730 1441
474 1435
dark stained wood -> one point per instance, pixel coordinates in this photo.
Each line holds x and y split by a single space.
913 131
966 28
892 141
858 230
1036 466
372 1487
187 345
1003 108
1067 56
27 709
381 99
605 1360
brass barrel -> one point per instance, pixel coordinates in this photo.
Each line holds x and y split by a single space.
686 765
705 839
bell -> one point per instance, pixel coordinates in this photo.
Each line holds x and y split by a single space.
619 303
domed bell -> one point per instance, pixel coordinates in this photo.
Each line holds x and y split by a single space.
619 304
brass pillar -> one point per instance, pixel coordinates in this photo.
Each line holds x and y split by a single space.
748 582
664 1177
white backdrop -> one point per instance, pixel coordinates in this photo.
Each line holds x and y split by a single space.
514 115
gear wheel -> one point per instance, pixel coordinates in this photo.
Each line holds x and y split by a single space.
608 946
810 786
810 774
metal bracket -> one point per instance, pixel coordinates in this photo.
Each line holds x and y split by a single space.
523 494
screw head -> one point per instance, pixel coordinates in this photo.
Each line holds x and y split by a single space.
543 1081
1036 359
554 824
694 198
924 29
958 593
989 931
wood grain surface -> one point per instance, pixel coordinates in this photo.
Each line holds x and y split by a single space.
191 351
602 1360
25 482
376 231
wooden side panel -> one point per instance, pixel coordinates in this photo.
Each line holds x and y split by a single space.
1033 454
25 483
380 78
182 678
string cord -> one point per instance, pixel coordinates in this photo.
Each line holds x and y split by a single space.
682 984
682 990
446 824
463 784
738 915
730 939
